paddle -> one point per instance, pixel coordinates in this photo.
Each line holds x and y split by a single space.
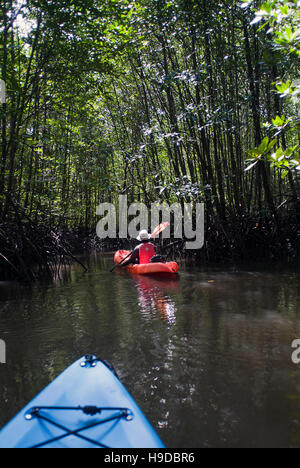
160 228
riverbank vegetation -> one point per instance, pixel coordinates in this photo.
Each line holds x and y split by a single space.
171 100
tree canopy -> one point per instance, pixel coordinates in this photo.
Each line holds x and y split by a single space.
160 99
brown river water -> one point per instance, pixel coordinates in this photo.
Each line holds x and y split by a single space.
207 356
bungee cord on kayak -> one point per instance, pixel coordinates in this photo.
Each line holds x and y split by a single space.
123 413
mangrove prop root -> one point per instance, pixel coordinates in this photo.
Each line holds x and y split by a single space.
30 250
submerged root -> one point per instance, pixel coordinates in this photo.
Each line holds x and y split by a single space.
30 251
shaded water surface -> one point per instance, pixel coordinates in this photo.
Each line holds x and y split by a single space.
207 356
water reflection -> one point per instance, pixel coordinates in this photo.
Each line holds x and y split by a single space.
153 295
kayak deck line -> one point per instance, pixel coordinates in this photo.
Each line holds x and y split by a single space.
89 410
85 406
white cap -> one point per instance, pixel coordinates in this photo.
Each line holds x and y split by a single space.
143 236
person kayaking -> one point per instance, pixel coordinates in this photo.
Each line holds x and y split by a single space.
144 252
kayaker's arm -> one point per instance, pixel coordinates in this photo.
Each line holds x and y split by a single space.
133 259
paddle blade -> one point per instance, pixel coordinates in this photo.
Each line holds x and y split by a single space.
160 229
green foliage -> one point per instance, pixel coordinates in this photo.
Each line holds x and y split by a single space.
282 19
149 98
259 153
279 158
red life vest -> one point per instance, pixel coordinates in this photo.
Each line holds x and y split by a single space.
146 252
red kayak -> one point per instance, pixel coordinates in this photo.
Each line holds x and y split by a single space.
170 268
